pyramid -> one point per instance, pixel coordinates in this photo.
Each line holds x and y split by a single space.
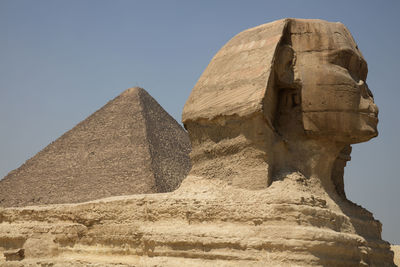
131 145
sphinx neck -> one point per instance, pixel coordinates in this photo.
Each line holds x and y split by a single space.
314 158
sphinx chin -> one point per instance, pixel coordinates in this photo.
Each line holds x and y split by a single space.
367 130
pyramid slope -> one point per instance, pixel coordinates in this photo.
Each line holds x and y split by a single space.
168 143
112 152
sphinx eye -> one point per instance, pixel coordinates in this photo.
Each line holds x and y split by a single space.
350 61
342 58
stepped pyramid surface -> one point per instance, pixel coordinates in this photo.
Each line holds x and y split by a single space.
129 146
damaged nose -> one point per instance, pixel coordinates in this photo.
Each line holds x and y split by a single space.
367 100
374 108
365 92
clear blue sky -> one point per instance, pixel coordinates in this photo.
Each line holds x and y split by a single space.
62 60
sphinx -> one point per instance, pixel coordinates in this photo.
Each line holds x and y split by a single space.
285 96
271 122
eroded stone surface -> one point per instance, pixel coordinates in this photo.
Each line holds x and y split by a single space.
204 223
14 254
396 250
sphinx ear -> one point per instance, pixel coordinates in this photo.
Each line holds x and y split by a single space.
284 67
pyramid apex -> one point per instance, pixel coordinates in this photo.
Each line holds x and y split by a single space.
133 90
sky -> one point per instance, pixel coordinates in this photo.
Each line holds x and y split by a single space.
62 60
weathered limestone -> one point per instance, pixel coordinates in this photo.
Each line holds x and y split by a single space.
212 225
14 255
271 122
396 250
129 146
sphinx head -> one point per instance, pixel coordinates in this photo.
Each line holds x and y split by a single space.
321 74
274 96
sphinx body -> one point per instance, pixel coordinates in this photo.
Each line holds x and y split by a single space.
271 121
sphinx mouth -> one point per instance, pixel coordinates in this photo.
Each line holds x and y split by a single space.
370 115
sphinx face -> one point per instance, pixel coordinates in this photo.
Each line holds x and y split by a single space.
336 101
